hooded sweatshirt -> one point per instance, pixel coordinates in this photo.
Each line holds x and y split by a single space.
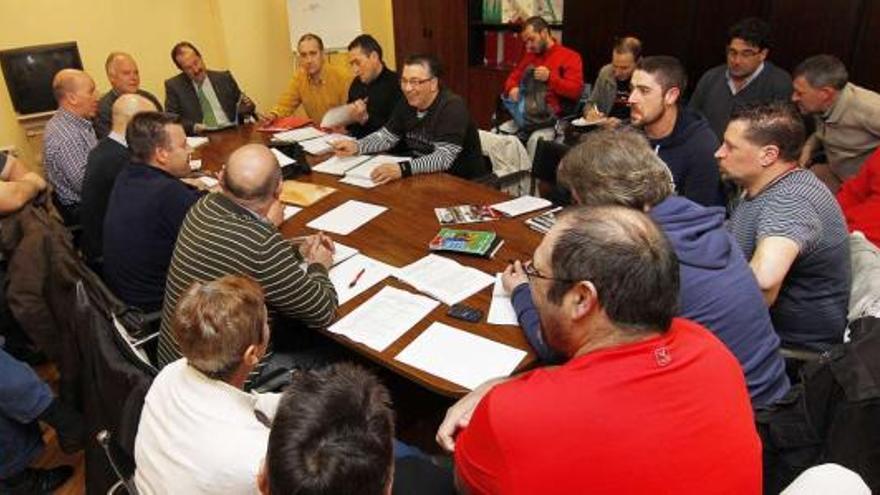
689 152
718 291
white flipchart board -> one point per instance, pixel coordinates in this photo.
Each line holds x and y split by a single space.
337 22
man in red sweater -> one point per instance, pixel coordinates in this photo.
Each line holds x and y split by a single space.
859 198
645 402
560 67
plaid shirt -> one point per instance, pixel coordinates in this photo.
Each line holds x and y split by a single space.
66 146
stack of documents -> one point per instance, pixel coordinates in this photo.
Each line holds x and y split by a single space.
297 135
361 175
384 318
460 357
347 217
323 144
501 308
520 205
336 165
445 279
356 274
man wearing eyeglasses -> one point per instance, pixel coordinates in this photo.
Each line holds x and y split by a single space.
643 399
433 124
746 77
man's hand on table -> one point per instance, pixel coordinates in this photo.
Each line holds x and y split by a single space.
386 172
318 248
345 147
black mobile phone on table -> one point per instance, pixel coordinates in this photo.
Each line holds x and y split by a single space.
466 313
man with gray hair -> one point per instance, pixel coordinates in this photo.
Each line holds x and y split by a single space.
236 232
847 118
68 138
718 289
105 162
199 432
125 79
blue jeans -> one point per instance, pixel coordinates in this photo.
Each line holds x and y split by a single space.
23 397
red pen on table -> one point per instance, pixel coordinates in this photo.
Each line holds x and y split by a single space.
357 277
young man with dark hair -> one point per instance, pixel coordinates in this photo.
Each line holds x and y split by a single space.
643 399
681 137
199 432
146 209
747 76
204 99
789 226
847 118
316 85
434 125
375 91
718 289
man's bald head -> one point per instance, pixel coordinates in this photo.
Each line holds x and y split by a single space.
252 174
75 91
125 107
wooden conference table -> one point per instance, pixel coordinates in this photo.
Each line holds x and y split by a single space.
398 237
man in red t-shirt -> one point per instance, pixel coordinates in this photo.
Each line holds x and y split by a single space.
560 67
859 198
646 403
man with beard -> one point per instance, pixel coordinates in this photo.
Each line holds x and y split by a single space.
610 96
681 137
643 400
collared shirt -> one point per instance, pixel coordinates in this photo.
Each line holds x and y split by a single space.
850 130
119 138
732 86
66 145
211 96
328 90
200 435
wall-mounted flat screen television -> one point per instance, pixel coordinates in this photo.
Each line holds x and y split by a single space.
29 71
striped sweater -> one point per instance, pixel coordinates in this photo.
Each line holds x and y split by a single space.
219 237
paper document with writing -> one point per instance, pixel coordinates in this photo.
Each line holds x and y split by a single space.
384 318
196 141
337 116
460 357
501 310
323 144
336 165
283 160
342 252
358 181
520 205
364 271
298 134
347 217
443 278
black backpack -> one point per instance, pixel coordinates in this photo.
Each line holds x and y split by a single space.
833 415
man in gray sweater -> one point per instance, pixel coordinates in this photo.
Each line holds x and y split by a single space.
747 77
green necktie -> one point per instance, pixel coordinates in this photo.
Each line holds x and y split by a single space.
208 117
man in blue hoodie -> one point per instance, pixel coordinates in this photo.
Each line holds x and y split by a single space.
681 137
718 290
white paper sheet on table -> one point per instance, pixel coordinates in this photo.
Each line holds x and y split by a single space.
443 278
195 164
520 205
323 144
196 141
343 273
290 210
300 134
384 318
342 252
347 217
282 158
209 182
337 116
336 165
358 181
460 357
363 170
501 310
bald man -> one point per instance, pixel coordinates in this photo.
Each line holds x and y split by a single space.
236 232
125 79
68 139
105 162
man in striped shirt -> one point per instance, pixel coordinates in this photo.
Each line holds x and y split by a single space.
235 232
788 225
69 137
434 126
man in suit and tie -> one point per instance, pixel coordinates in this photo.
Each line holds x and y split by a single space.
204 99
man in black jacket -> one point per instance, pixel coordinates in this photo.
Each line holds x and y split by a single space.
204 99
375 90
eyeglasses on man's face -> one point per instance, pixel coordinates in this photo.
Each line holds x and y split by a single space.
532 272
414 82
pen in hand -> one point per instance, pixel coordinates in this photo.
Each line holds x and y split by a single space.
357 277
